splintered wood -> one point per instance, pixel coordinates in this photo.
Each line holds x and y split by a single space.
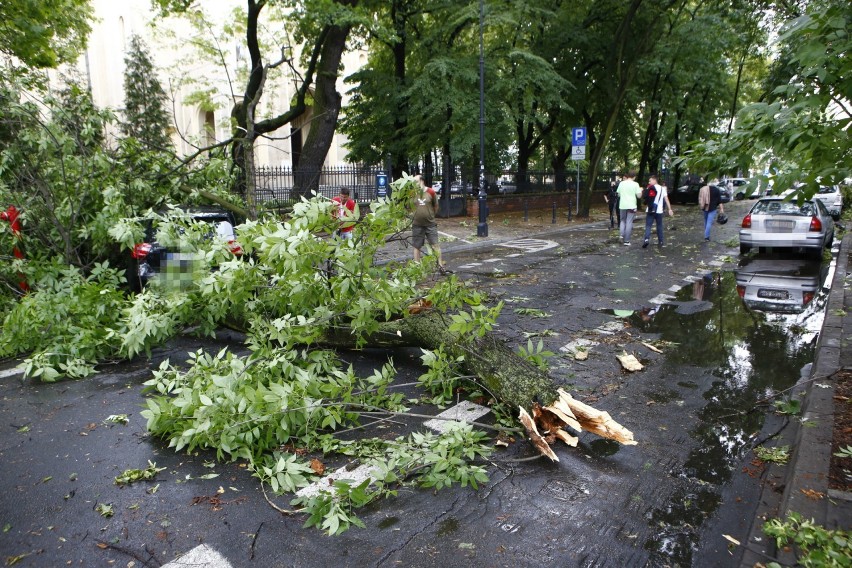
547 423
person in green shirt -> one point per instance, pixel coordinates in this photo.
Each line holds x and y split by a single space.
423 225
628 194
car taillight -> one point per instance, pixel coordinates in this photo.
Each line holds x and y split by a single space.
741 291
747 221
807 297
141 250
816 224
235 247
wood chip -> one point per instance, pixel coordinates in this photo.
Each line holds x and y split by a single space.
629 362
581 355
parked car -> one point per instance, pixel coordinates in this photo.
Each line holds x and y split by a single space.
743 188
777 223
507 186
686 194
779 285
150 259
832 199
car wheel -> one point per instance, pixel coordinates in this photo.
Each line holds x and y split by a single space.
744 249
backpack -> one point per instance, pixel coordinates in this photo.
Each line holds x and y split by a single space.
649 196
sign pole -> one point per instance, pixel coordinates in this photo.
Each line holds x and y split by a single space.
578 188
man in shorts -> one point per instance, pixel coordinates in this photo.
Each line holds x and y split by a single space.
423 226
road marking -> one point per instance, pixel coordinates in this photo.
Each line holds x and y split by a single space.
514 255
465 411
675 288
662 299
455 238
580 344
609 328
202 555
469 266
530 245
717 263
11 372
357 476
493 260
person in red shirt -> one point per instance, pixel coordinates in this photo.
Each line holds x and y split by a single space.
11 215
345 211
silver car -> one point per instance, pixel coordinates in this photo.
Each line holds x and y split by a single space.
774 222
832 199
779 285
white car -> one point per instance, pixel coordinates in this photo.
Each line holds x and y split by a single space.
832 199
777 223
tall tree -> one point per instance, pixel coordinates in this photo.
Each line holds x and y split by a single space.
44 33
145 116
801 127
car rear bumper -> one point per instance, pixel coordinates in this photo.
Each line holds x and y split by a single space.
787 240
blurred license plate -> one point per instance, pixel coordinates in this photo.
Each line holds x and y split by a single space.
773 294
780 226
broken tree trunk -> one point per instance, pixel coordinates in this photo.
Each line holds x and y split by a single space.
507 376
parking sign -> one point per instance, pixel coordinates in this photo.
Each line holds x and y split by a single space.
578 136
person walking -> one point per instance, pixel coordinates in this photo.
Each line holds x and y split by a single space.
628 193
345 210
657 203
611 198
423 226
710 201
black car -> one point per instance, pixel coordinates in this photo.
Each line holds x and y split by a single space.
686 194
150 259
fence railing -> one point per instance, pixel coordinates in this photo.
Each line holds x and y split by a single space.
279 186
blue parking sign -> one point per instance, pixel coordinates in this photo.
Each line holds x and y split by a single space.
578 136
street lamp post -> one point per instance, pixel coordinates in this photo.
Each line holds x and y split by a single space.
482 227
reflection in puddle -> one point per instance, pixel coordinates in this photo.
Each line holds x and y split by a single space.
750 354
603 448
388 522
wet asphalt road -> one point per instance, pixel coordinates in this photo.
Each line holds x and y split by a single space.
665 502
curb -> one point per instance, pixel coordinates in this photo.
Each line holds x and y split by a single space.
805 483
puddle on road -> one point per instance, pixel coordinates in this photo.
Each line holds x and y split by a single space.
750 355
448 526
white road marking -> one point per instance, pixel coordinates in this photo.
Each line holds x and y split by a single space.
465 411
530 245
357 475
493 260
675 288
661 299
609 328
716 263
11 372
514 255
455 238
201 556
578 344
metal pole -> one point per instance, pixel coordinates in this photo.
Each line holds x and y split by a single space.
482 228
578 188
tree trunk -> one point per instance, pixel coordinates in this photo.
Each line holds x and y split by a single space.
507 376
326 109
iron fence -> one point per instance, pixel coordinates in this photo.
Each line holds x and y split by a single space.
277 186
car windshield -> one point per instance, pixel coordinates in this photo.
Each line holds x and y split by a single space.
778 207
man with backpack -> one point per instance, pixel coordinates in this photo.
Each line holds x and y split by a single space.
656 199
